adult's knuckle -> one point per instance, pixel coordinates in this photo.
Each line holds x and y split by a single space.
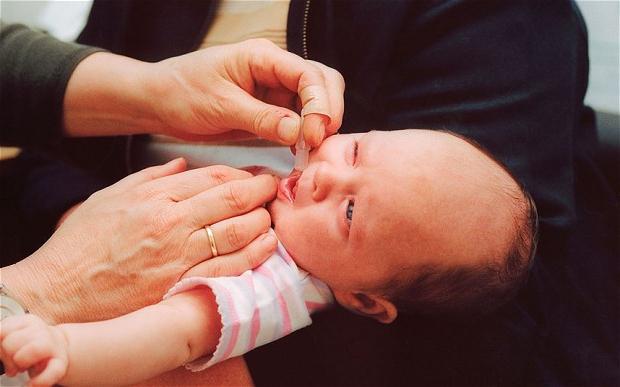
235 235
150 173
261 43
163 222
218 270
263 216
316 73
219 174
101 195
149 191
234 197
339 78
250 258
221 104
263 121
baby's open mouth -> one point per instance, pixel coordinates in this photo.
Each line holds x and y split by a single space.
288 185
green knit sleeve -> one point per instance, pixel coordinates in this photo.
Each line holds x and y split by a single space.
34 71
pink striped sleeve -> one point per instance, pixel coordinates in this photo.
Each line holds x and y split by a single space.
259 306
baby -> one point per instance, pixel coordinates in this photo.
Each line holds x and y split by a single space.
412 221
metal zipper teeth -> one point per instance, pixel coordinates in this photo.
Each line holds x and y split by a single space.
304 39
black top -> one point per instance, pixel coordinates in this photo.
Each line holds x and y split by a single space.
34 72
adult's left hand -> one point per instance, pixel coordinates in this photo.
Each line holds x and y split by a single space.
253 86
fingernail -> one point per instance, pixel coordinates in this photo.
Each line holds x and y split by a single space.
288 127
318 136
321 132
174 161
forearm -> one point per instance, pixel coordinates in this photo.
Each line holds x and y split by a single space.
144 343
110 94
54 88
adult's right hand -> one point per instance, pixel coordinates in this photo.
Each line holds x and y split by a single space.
127 244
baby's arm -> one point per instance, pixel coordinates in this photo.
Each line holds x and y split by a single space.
123 350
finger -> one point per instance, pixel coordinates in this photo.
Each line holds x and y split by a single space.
335 85
281 97
52 373
274 67
7 361
12 324
189 183
32 353
37 368
230 199
152 173
238 262
314 129
14 341
231 234
267 121
10 369
271 66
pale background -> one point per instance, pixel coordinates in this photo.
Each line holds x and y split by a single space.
64 19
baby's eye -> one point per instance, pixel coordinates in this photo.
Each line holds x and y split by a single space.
352 152
350 206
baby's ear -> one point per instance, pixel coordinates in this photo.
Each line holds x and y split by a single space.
369 305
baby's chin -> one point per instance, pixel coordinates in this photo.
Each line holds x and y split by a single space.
277 212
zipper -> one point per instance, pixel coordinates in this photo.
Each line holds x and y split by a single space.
304 39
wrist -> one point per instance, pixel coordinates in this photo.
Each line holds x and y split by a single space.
27 289
168 102
110 94
40 289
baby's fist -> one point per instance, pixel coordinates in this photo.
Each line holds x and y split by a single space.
28 343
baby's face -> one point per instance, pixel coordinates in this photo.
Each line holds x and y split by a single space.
373 207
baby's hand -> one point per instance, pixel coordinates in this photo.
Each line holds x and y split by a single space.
28 343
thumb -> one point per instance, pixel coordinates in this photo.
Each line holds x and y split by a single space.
267 121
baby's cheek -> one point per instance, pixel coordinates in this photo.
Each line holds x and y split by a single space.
306 254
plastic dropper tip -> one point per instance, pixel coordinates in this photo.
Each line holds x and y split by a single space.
301 152
301 159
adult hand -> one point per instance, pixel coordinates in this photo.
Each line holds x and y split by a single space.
252 86
127 244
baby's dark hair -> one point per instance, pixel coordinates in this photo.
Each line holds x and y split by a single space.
471 291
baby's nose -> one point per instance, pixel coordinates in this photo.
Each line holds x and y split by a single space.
326 179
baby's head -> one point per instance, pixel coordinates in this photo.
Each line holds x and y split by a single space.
414 220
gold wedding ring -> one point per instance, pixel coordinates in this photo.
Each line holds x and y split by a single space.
211 241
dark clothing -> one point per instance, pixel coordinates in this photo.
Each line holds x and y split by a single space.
34 72
35 189
511 75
